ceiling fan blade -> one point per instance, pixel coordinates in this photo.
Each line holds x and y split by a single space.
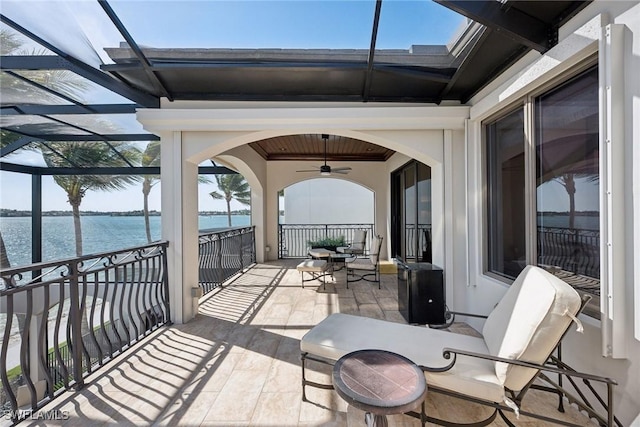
346 168
309 170
342 172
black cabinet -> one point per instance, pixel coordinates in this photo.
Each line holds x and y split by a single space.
421 294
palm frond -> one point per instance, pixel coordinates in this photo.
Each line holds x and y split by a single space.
92 154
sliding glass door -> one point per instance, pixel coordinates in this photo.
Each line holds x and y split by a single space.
411 212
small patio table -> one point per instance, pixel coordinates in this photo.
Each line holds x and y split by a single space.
338 258
380 383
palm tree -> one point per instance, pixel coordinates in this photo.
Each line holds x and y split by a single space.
6 138
232 186
94 153
62 81
568 181
150 157
4 258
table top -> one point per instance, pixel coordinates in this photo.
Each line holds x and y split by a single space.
379 382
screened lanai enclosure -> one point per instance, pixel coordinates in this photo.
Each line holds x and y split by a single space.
76 76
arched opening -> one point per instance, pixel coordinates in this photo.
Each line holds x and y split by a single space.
322 212
277 170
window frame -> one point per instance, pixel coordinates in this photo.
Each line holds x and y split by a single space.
503 113
527 104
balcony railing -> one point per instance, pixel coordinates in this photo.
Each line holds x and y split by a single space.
223 254
571 249
293 239
64 319
418 242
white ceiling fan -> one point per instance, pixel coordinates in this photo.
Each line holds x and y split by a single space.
326 169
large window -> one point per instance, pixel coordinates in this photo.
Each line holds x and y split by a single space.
561 207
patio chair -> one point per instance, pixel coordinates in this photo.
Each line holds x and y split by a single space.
365 268
357 246
497 369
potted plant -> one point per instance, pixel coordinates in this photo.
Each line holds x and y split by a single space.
329 243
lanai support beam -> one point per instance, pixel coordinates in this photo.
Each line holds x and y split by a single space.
35 110
16 145
36 218
372 51
73 64
507 20
146 65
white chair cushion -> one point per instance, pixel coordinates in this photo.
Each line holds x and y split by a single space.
321 253
528 323
340 334
359 238
361 264
314 265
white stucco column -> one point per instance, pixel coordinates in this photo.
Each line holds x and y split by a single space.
180 225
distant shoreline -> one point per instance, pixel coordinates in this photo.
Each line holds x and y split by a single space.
13 213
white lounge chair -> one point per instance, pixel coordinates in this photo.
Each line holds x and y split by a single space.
497 369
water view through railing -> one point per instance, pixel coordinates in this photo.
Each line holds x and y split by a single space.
295 240
62 320
570 249
224 253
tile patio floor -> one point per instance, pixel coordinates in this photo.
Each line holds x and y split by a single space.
237 363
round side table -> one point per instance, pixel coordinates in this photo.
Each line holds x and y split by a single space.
380 383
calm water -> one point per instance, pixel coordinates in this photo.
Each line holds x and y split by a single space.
99 234
106 233
583 222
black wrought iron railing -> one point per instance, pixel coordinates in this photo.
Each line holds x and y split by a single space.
64 319
570 249
224 253
295 240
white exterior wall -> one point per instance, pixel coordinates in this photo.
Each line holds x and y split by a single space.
328 200
441 138
618 51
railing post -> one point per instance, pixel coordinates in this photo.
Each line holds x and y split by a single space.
253 244
165 282
241 250
75 317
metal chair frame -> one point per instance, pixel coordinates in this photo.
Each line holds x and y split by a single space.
372 276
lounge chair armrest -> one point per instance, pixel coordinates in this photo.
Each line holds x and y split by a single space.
450 318
447 352
459 313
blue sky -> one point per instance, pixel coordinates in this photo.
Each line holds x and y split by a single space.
83 29
286 24
15 193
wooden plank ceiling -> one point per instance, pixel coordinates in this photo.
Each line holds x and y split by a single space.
311 147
